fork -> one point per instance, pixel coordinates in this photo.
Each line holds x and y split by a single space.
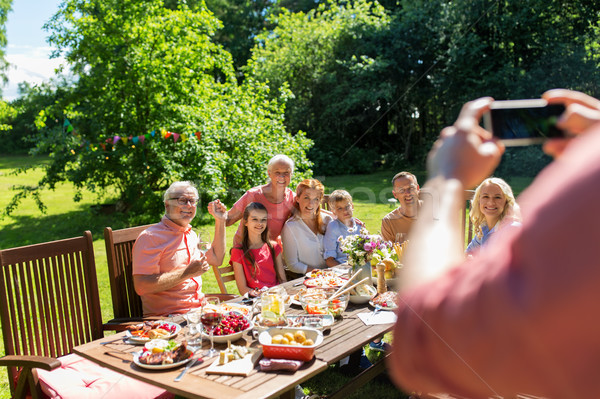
189 365
377 310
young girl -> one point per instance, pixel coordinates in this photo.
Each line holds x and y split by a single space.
493 207
256 260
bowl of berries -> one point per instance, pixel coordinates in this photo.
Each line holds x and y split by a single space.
231 327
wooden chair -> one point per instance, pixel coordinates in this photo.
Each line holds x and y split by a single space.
223 274
127 304
325 202
467 225
49 304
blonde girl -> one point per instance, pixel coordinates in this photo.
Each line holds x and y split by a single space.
493 207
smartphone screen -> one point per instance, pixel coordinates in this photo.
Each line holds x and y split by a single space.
524 122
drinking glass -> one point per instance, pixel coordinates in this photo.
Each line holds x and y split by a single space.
193 319
210 318
204 241
401 237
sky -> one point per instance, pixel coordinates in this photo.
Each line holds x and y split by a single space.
27 50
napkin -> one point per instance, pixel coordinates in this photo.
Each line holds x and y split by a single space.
381 317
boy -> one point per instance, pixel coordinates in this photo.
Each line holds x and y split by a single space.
340 203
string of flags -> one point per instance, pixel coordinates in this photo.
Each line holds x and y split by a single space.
133 140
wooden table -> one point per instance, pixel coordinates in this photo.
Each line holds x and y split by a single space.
345 337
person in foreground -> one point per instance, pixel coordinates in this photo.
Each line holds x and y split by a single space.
396 225
493 208
523 320
256 260
167 263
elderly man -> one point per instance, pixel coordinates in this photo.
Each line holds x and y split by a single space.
167 263
396 224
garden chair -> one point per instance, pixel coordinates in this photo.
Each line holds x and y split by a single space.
49 303
127 304
325 202
467 225
223 274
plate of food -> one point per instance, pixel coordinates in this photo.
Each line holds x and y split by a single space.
148 330
236 307
325 282
385 301
166 355
231 328
320 273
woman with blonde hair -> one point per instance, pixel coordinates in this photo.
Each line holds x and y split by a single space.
493 207
302 234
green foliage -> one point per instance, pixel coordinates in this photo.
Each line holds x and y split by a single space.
142 68
320 55
5 8
388 80
522 161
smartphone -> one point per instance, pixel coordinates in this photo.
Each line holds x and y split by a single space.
524 122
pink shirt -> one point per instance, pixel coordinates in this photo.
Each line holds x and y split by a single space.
522 315
277 214
162 248
265 273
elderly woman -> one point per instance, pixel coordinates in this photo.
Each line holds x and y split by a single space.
302 234
275 196
493 208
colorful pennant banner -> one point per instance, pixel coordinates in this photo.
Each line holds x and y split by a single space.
132 140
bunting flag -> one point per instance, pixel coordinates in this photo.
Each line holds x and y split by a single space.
131 140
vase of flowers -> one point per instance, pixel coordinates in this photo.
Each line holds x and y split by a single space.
364 248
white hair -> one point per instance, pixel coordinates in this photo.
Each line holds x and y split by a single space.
179 186
280 158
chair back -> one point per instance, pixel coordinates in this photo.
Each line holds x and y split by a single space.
127 304
223 274
49 299
325 202
467 224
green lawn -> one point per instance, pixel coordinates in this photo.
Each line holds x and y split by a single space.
66 218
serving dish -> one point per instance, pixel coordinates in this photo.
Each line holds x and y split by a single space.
294 352
230 337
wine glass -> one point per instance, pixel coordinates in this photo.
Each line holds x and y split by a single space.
193 319
401 237
210 318
204 241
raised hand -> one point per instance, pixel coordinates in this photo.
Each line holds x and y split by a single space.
217 209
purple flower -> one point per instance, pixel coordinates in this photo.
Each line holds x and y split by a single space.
368 246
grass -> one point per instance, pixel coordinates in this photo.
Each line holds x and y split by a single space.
66 218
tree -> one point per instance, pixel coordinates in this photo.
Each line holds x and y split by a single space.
319 55
5 8
156 100
383 83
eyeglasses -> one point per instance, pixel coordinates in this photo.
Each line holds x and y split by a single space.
185 201
410 189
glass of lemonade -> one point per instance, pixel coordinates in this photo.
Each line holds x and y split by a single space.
272 306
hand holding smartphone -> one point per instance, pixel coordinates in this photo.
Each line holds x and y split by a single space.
524 122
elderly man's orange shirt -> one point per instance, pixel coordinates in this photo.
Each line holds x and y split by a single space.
161 248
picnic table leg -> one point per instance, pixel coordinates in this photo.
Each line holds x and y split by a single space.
291 394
